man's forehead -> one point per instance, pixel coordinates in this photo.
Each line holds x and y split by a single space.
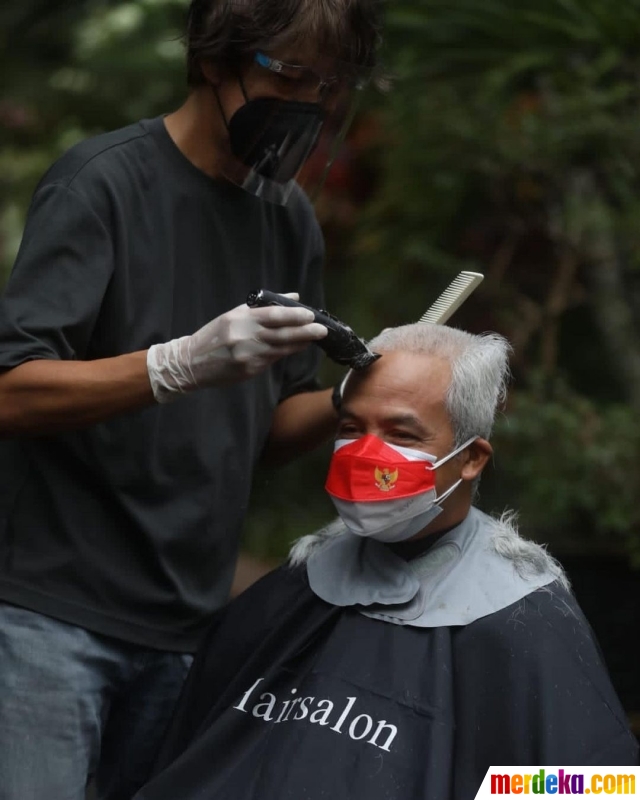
418 380
405 367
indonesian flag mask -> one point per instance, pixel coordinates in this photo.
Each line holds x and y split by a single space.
385 491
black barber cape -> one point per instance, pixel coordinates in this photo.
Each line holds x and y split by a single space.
291 698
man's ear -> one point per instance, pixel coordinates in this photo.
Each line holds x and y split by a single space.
211 72
477 455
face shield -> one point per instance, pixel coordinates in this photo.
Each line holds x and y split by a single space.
271 138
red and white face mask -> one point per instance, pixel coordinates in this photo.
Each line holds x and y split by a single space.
385 491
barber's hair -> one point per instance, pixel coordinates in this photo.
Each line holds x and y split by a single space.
479 370
225 32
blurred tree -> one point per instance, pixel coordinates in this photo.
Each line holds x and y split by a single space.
73 68
510 146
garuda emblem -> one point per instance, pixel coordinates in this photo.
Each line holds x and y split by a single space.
385 479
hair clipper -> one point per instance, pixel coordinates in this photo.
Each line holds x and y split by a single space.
341 344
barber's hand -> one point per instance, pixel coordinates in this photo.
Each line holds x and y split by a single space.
232 347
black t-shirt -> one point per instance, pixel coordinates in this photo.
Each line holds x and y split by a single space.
130 527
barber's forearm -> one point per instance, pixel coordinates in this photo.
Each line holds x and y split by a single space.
47 396
300 424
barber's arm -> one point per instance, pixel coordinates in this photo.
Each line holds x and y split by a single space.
300 424
43 396
51 306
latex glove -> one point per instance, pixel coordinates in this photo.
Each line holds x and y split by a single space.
234 346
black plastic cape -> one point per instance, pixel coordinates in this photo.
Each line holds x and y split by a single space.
291 698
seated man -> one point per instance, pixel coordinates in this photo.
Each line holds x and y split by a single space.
414 643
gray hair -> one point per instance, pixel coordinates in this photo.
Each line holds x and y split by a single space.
528 558
479 369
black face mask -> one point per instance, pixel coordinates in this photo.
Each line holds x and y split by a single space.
275 137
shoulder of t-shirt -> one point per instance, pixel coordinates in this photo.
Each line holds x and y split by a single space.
302 216
92 160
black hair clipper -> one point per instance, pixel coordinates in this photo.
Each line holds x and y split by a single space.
341 344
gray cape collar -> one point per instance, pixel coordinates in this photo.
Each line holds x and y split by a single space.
459 580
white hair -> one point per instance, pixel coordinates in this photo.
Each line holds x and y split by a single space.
529 558
479 370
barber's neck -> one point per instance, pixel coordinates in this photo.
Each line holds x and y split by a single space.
198 131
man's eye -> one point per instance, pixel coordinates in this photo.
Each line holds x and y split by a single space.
404 435
348 430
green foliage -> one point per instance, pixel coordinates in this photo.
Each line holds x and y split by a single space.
571 469
73 69
496 106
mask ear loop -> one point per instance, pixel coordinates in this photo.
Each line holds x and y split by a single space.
219 102
437 500
242 89
220 108
455 452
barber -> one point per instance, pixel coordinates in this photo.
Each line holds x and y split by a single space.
138 391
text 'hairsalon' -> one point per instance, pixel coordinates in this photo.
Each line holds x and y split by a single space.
341 717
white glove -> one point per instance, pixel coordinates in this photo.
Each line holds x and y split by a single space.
232 347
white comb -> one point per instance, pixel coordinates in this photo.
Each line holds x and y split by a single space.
452 298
